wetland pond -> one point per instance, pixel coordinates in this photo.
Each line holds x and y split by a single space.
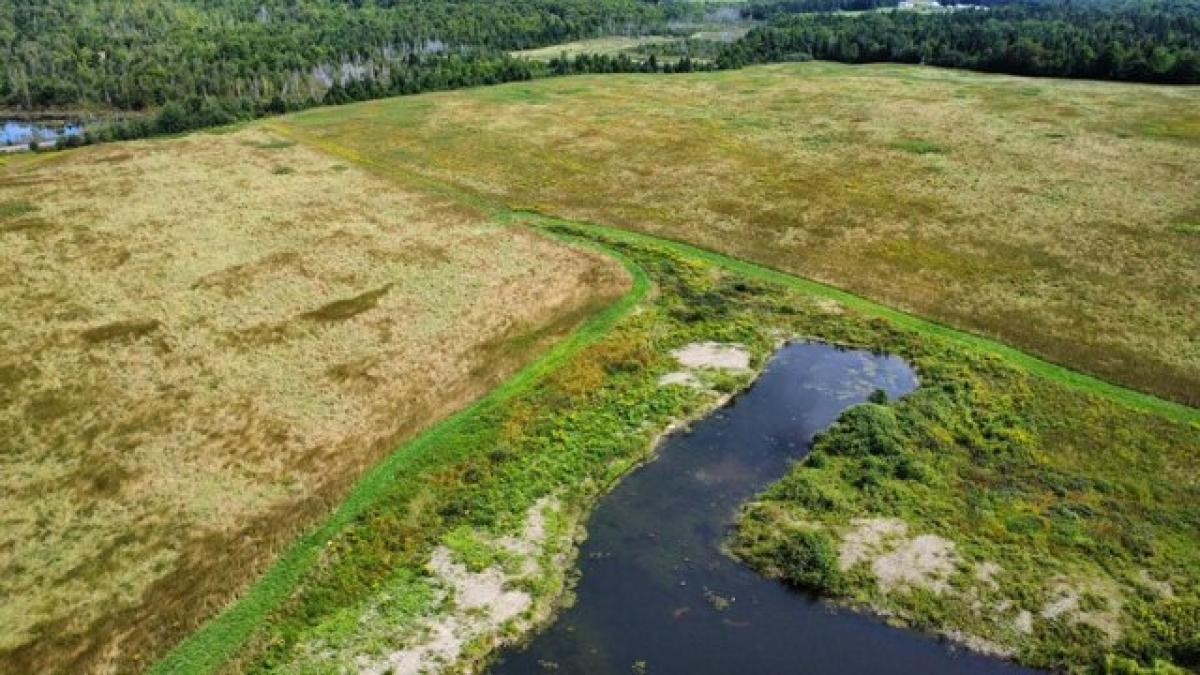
656 593
21 132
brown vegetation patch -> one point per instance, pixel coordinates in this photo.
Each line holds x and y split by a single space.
236 279
340 310
112 157
130 329
24 225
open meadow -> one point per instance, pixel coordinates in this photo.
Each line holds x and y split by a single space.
1058 216
204 341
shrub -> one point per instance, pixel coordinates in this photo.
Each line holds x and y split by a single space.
803 489
171 119
908 468
1167 629
808 559
1116 665
865 430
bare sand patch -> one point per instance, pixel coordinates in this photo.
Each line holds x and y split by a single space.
713 355
830 306
481 602
897 560
979 644
1066 601
682 378
985 573
1023 622
900 562
1161 588
926 561
866 538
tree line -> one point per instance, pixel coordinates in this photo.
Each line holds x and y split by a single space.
420 74
174 65
140 55
1141 42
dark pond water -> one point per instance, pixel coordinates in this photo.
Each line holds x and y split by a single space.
20 132
652 567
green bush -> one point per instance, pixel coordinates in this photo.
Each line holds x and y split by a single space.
803 488
1166 629
863 431
808 559
1116 665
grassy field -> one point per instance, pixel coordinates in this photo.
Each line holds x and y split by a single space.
1058 216
204 342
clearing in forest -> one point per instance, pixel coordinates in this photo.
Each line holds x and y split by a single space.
609 46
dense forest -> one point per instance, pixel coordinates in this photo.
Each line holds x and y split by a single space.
172 65
137 55
1142 42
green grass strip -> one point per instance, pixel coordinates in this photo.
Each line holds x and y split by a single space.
1130 397
220 638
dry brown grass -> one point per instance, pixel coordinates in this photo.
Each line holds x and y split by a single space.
199 352
1055 215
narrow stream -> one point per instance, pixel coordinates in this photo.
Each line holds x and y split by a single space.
654 579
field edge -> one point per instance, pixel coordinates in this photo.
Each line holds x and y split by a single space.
220 637
1139 400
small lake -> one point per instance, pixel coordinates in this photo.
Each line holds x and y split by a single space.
652 567
20 132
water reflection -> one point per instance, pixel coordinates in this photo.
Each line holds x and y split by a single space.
22 132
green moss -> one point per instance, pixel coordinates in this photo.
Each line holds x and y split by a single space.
1179 127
